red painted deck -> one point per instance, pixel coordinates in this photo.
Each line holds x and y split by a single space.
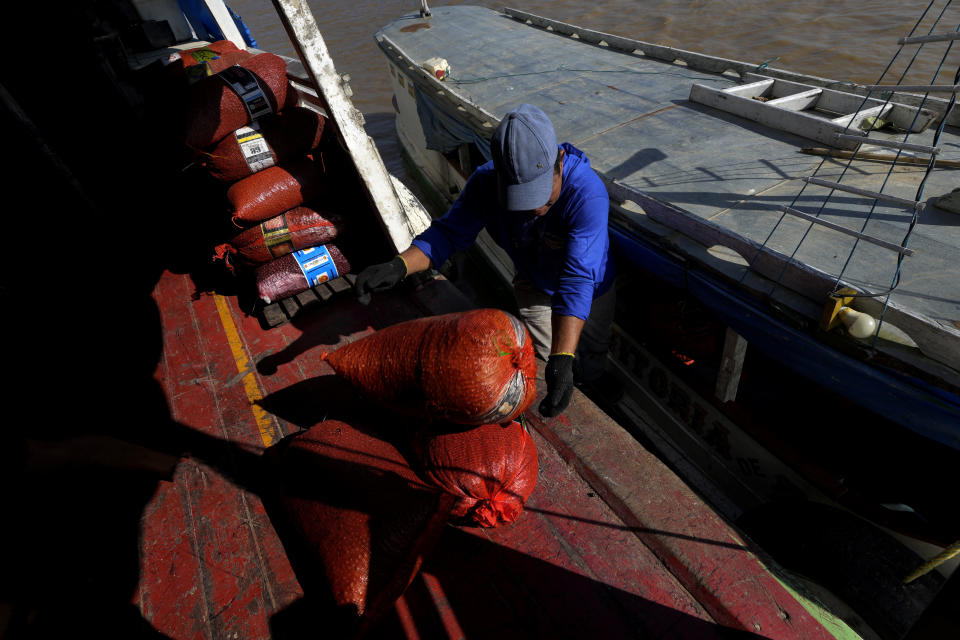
580 562
165 528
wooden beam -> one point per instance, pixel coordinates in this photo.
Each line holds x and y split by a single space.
934 37
797 101
401 225
866 193
225 21
728 378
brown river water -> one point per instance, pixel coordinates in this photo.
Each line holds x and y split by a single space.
839 39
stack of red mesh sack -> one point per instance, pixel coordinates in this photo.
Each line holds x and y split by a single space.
467 378
362 507
246 128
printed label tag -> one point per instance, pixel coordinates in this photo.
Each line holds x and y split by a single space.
276 236
245 84
255 149
204 55
316 264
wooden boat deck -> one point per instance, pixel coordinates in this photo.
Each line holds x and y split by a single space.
632 116
182 545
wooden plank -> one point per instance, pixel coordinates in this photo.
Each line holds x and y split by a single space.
225 21
866 193
833 101
728 378
273 315
850 232
307 297
878 157
798 101
853 120
323 291
751 89
290 306
934 37
922 88
338 285
893 144
302 29
798 123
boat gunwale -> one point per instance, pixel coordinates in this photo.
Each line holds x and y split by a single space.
722 66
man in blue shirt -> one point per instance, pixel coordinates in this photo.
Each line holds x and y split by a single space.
543 204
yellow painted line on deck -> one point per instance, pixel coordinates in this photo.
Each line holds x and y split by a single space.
265 423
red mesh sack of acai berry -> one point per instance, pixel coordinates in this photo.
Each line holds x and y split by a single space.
490 469
473 367
360 518
215 107
270 192
267 142
298 228
298 271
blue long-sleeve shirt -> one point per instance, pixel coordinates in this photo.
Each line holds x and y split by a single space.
564 253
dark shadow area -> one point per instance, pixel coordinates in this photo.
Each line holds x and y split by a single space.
490 591
634 163
353 523
108 207
482 588
386 308
832 547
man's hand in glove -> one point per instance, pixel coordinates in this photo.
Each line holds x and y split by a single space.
379 277
559 375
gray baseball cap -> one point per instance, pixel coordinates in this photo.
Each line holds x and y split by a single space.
524 148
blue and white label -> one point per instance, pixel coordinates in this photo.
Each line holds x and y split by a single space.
316 263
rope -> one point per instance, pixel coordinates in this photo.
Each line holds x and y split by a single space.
934 562
849 163
765 63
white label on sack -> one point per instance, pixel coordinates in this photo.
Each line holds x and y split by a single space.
316 263
255 149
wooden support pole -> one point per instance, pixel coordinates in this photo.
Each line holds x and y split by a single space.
401 225
728 378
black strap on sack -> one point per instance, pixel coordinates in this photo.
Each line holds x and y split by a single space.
245 84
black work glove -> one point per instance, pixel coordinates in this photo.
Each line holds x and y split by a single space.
559 375
379 277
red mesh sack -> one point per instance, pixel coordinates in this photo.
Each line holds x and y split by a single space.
215 110
360 516
490 469
298 271
267 142
473 367
298 228
270 192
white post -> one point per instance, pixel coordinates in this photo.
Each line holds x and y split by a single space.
302 29
225 21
